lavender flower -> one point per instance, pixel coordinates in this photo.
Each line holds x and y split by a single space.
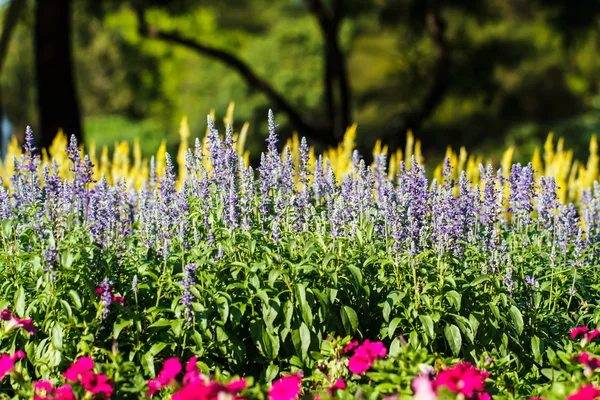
187 298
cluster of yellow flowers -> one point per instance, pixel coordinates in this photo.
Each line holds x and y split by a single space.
127 163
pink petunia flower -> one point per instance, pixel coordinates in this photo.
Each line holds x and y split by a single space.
462 378
79 368
97 384
339 384
199 390
47 392
365 355
168 373
585 393
351 346
423 388
286 388
587 335
15 323
191 371
7 362
580 330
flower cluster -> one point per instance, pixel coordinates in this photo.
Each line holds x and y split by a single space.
462 379
196 386
15 323
365 355
94 383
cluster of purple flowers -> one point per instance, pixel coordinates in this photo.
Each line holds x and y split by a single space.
409 213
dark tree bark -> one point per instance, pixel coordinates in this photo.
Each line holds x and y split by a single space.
337 88
57 95
322 135
436 27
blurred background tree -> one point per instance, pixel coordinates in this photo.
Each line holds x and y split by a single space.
479 73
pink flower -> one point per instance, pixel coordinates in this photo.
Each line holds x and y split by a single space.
462 378
8 362
191 371
64 392
579 331
338 384
587 335
585 393
16 323
351 346
287 388
119 299
199 390
483 396
423 388
79 367
97 384
365 356
590 363
168 373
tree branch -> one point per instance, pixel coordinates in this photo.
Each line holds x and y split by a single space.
340 116
235 63
436 28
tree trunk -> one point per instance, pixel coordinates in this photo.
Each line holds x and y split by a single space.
57 96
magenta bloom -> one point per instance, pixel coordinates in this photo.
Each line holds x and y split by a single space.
587 360
580 330
287 388
463 379
97 384
47 392
8 362
339 384
584 331
351 346
588 392
191 371
79 368
15 323
199 390
365 355
168 373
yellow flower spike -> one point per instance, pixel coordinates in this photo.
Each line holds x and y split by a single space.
241 143
537 165
418 155
462 160
184 135
105 165
591 172
410 141
160 159
228 119
506 162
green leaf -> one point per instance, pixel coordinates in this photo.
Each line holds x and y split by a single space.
57 337
20 302
271 373
349 319
516 318
453 337
75 298
427 323
454 298
480 279
223 308
536 348
7 229
304 338
119 326
392 327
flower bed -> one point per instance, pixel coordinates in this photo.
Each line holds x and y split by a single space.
262 278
